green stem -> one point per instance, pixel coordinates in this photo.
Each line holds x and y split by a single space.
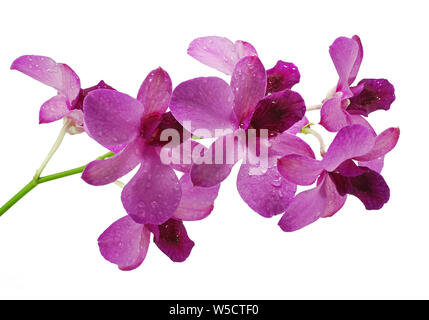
33 183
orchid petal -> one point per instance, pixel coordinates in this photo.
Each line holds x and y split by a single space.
155 92
384 143
332 115
244 49
112 117
196 202
248 82
54 109
287 143
204 103
284 75
125 243
268 194
299 169
153 194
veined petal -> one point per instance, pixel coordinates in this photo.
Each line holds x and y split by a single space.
221 157
332 115
54 109
277 112
248 82
216 52
47 71
299 169
350 142
204 103
125 243
375 165
307 207
196 202
173 240
344 53
153 194
112 117
244 49
358 60
284 75
268 194
287 143
155 92
384 143
102 172
371 95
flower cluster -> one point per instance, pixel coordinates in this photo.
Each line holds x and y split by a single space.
254 119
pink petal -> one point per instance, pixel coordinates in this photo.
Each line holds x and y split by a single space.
155 92
384 143
375 165
125 243
205 102
47 71
244 49
102 172
297 126
172 239
287 143
344 53
248 82
332 115
350 142
216 52
334 201
196 202
299 169
268 194
153 194
112 117
54 109
358 60
306 208
213 173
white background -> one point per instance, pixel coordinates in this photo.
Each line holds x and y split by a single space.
48 241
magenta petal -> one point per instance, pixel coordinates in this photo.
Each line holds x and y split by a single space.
155 92
307 207
244 49
375 165
153 194
332 115
54 109
196 202
334 201
287 143
173 240
278 112
125 243
112 117
248 83
350 142
297 126
369 187
102 172
47 71
371 95
268 194
358 60
384 143
216 52
284 75
299 169
344 53
215 170
207 103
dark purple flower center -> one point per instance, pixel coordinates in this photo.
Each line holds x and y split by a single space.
154 124
78 104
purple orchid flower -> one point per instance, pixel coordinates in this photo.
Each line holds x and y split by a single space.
114 118
126 242
222 54
211 104
338 175
349 105
68 102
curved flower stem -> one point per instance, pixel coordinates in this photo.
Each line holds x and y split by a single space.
33 183
54 148
119 183
308 130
